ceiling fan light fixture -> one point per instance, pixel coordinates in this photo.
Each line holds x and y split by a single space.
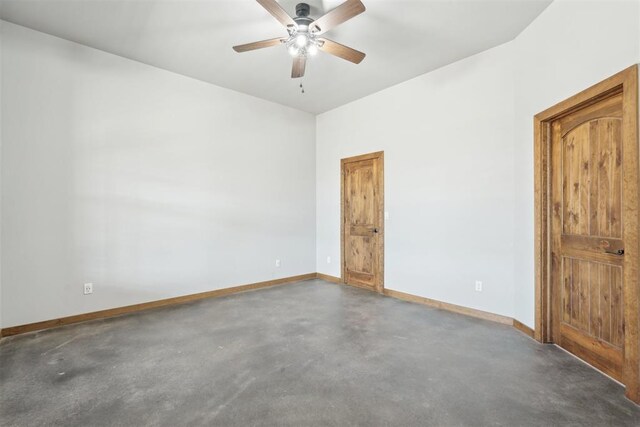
302 40
300 43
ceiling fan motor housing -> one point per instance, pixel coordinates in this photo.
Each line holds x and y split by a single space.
302 17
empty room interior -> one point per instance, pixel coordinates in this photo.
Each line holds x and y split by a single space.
319 212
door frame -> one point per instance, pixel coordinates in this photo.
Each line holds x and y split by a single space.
380 212
626 83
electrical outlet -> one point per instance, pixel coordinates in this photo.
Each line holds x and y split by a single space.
328 260
478 286
278 263
88 288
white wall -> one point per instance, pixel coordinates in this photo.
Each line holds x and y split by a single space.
152 185
572 45
449 184
459 156
146 183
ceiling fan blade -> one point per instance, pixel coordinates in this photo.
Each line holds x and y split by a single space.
337 16
341 51
278 12
258 45
299 64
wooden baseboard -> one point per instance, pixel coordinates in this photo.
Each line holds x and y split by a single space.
505 320
329 278
523 328
112 312
103 314
485 315
450 307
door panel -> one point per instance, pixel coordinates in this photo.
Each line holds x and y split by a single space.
362 220
586 234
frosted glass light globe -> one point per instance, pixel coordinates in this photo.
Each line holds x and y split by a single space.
301 40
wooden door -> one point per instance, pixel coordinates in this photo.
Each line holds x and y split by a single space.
587 239
363 221
587 218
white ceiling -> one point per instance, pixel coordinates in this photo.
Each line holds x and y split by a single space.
402 39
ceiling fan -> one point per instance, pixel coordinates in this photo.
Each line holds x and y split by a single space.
303 39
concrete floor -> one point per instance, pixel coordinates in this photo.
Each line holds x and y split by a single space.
311 353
